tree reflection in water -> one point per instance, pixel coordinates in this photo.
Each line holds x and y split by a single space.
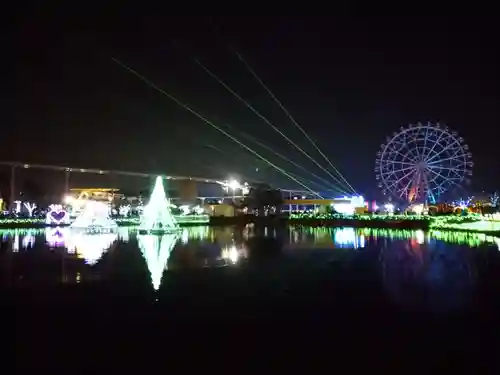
156 251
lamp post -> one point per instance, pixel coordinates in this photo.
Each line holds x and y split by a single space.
233 185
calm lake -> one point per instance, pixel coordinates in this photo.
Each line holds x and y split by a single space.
435 271
360 287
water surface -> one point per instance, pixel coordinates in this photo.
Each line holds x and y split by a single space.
426 296
434 271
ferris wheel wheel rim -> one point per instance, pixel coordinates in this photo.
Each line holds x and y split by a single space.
384 172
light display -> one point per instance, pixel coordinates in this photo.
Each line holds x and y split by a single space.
329 216
484 226
95 218
77 204
418 208
192 219
124 210
492 217
57 215
30 207
157 217
421 162
463 203
495 199
128 221
470 222
156 251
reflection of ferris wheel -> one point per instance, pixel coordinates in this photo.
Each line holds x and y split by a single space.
421 162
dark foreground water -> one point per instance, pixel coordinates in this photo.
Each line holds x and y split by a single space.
217 297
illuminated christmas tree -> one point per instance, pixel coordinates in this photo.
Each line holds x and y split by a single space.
156 216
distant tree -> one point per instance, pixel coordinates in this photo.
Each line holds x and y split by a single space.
330 210
262 196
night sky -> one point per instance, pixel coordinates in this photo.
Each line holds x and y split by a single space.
349 81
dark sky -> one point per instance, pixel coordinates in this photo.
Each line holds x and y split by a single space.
349 81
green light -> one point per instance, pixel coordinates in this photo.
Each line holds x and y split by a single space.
471 222
129 221
455 237
157 214
329 216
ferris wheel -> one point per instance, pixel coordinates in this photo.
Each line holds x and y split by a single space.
421 162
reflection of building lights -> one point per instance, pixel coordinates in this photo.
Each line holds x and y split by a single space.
185 236
15 243
346 237
231 253
362 240
194 233
28 240
420 237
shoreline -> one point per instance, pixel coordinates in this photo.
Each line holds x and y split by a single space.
411 224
